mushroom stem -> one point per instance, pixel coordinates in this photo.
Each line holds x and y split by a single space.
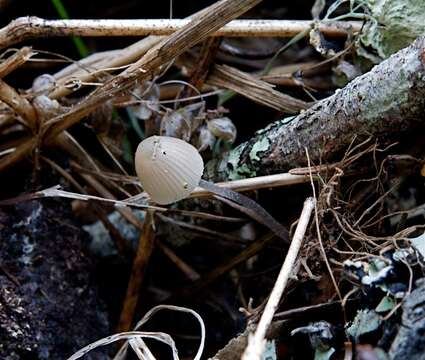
263 215
170 169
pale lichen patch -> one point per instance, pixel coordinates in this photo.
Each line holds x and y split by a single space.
236 170
259 147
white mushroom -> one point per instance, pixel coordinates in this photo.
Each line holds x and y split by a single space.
168 168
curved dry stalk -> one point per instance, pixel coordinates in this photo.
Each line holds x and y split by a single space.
30 27
121 355
134 339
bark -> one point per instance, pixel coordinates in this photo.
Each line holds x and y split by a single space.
388 99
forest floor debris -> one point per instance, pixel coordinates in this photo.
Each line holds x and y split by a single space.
330 109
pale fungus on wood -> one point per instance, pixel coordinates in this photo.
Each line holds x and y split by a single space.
170 169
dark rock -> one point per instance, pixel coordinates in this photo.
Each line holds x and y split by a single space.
48 304
410 340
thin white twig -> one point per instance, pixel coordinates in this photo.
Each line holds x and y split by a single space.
254 183
257 341
33 27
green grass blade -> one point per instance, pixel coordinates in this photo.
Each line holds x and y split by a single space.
78 42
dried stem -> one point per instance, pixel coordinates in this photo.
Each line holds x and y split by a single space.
19 104
140 263
200 27
31 27
89 69
255 183
256 341
257 90
14 61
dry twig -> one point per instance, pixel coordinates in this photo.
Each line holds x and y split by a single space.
31 27
256 341
16 60
257 90
140 263
19 104
200 26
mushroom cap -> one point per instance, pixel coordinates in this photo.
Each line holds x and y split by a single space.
168 168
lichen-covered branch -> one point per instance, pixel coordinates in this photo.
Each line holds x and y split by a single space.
388 99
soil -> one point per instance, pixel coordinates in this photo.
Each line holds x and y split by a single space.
49 306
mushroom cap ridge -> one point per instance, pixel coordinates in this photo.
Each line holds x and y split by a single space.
168 168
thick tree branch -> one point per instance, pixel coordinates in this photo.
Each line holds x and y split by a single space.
388 99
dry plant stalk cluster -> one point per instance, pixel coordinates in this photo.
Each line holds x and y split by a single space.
43 115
